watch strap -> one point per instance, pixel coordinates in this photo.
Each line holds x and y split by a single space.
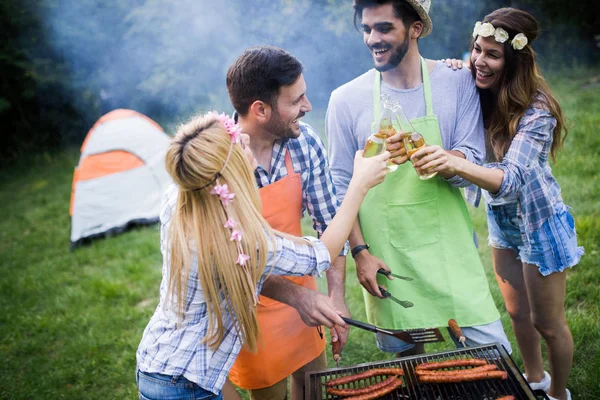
357 249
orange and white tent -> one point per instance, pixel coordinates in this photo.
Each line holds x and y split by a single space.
121 176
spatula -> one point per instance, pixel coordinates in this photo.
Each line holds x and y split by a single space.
428 335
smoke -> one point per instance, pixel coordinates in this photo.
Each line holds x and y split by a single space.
168 59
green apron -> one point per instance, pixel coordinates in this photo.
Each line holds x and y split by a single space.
422 229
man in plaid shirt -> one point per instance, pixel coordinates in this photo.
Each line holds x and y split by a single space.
267 89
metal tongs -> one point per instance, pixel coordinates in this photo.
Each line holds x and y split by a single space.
388 295
388 273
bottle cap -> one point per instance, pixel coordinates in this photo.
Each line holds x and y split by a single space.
417 139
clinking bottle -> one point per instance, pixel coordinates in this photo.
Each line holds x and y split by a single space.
376 143
412 139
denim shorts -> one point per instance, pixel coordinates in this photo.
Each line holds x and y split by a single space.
475 335
153 386
553 246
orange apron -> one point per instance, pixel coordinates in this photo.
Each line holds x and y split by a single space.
287 343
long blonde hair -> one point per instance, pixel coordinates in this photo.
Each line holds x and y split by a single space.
196 154
523 86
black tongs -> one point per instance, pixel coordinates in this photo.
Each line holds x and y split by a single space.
388 273
388 295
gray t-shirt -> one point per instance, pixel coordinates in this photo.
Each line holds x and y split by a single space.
455 103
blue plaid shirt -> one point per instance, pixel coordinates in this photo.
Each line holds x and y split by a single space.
171 349
527 173
309 159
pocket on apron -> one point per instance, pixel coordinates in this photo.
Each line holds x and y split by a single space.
413 224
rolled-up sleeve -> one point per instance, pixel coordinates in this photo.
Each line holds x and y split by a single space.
306 256
533 133
470 156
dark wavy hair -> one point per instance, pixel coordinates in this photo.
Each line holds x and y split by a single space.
402 10
258 74
522 86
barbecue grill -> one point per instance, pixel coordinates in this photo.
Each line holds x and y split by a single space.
490 389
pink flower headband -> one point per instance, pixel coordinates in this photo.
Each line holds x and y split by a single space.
233 130
226 197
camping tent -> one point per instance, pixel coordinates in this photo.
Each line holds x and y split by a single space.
121 176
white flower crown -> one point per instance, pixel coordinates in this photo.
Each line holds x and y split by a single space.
486 29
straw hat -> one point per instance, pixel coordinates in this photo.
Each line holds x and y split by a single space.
422 8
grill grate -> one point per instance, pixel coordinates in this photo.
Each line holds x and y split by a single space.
490 389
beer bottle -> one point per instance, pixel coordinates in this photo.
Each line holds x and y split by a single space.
412 139
376 143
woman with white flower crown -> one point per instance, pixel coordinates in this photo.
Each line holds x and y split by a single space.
531 230
217 250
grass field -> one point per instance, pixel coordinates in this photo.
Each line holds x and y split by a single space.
70 322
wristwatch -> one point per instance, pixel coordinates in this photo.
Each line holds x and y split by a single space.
357 249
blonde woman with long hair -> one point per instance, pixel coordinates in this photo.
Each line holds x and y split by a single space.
217 249
531 230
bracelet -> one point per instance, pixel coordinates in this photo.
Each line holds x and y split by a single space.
357 249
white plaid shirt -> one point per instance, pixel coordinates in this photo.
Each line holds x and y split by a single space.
169 349
527 173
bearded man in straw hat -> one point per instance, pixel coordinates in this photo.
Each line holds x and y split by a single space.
416 228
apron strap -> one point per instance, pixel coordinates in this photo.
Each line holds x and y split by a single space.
426 91
427 88
288 163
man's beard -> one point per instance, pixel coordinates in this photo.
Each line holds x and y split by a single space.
277 127
396 57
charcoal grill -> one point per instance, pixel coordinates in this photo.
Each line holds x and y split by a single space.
490 389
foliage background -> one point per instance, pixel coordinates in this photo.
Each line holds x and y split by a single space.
63 63
70 322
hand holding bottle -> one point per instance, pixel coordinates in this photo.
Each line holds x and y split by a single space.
435 159
413 143
371 171
395 145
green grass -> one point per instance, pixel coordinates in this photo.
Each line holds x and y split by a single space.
70 322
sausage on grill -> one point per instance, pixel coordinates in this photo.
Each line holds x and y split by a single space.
379 392
465 377
364 375
359 391
336 350
451 363
456 331
487 367
510 397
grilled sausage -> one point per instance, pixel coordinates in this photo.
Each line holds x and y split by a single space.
510 397
465 362
456 331
364 375
359 391
379 392
336 350
448 378
488 367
